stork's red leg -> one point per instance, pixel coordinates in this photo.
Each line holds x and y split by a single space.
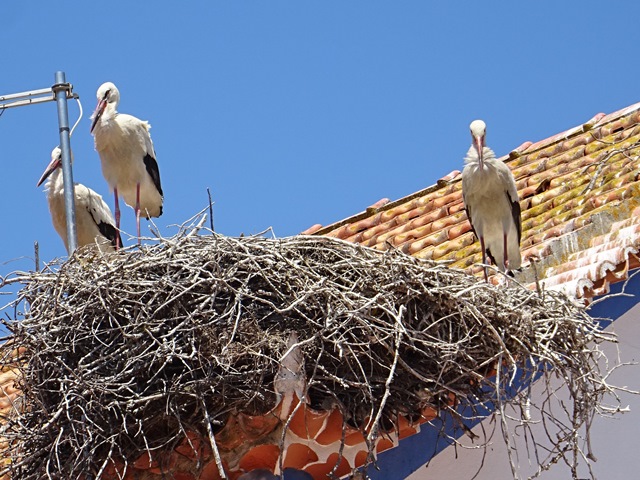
117 215
138 210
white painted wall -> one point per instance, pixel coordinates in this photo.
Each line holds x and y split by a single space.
614 441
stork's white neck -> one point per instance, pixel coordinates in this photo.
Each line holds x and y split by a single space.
110 111
107 117
472 155
55 183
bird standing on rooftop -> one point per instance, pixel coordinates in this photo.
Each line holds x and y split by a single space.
94 221
127 156
491 201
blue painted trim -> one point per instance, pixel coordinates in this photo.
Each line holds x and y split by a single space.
416 450
615 307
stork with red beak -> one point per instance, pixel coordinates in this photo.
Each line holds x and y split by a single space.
94 220
127 156
491 201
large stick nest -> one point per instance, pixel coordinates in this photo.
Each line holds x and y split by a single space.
125 352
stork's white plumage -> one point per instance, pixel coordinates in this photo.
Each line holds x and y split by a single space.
127 156
95 224
491 201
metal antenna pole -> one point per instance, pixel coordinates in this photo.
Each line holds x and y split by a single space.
62 89
60 92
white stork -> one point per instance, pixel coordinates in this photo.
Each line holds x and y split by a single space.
127 156
491 201
94 221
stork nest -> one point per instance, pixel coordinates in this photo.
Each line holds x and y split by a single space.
125 352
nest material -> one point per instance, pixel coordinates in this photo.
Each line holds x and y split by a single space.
126 352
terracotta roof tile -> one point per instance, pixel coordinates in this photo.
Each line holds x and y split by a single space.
573 186
9 394
312 229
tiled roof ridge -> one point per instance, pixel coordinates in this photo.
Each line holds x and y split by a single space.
376 207
527 148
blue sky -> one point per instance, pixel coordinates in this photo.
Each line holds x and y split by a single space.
299 112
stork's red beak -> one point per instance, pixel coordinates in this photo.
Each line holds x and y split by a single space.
479 144
55 163
102 104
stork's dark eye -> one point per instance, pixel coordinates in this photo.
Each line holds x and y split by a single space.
106 94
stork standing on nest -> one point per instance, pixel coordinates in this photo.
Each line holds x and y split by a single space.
491 201
94 220
127 156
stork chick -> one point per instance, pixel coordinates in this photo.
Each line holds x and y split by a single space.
491 201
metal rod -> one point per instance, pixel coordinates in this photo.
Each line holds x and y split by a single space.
31 98
28 101
61 90
31 93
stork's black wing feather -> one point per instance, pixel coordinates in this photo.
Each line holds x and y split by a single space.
515 214
493 260
110 232
152 169
468 210
107 230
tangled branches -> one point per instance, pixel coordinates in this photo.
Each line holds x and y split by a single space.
126 352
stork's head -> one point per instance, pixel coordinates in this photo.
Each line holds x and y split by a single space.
478 132
107 94
56 162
